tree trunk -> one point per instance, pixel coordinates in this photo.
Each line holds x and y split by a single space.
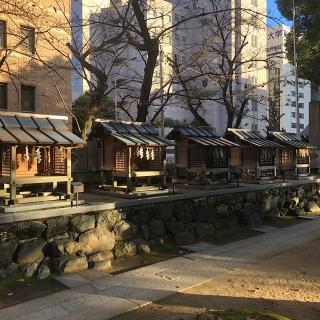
144 101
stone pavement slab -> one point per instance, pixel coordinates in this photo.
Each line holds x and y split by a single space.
109 296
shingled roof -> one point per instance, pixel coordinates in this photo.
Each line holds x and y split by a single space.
254 138
290 139
132 133
24 129
205 137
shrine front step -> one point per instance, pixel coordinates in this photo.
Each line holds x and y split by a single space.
39 206
138 192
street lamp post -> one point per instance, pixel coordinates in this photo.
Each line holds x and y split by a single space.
296 70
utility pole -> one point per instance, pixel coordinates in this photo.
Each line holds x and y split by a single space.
296 69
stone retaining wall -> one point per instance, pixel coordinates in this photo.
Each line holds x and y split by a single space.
93 240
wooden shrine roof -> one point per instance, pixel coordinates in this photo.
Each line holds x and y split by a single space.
290 139
205 137
133 133
254 138
26 129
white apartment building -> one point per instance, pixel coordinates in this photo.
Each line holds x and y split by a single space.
282 83
81 15
187 42
245 27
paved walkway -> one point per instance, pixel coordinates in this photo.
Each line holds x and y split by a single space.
109 296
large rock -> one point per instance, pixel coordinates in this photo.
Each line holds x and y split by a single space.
251 197
184 238
70 264
175 227
203 214
269 202
300 192
107 219
96 240
101 256
31 252
7 250
183 211
312 207
145 231
72 247
250 218
125 230
83 223
56 248
164 211
221 223
31 269
8 232
44 269
57 226
125 249
203 229
30 229
222 210
156 228
142 246
141 216
101 265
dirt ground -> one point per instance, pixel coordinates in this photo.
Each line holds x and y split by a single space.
288 283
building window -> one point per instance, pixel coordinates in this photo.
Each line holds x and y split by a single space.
28 36
301 115
254 105
301 85
301 105
254 126
301 95
293 93
28 98
294 125
3 96
293 114
3 35
254 41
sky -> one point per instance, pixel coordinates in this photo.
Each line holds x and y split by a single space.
274 12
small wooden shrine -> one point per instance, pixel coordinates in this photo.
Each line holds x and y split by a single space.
201 153
133 154
35 149
257 156
295 154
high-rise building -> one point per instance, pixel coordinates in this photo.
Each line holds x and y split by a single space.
82 12
200 44
228 47
35 73
282 94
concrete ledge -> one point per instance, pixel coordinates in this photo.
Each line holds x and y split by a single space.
42 214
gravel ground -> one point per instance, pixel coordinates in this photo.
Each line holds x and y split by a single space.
288 283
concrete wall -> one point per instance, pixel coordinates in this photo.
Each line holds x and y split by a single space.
92 240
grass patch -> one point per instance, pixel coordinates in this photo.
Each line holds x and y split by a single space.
245 314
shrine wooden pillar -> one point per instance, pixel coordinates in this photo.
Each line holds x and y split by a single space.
69 171
129 177
13 175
